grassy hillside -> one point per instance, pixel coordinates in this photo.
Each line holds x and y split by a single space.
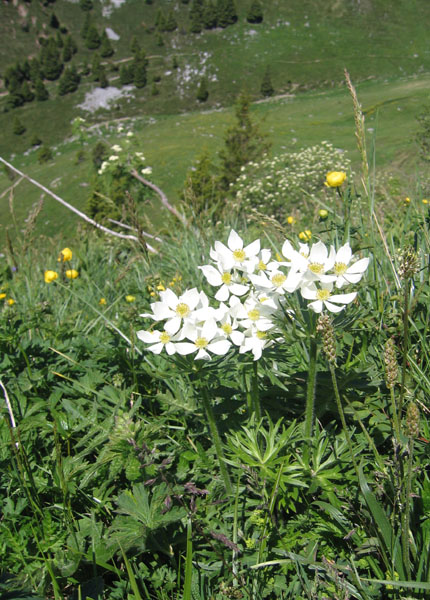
305 44
171 143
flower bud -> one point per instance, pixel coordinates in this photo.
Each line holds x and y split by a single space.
391 367
325 328
412 420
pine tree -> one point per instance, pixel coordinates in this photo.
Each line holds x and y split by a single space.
255 12
171 23
85 68
92 39
126 75
34 70
227 14
201 194
103 80
243 143
86 26
69 82
42 93
106 49
266 87
50 63
139 72
26 92
202 91
70 48
196 16
210 15
160 21
59 40
18 127
95 67
135 46
86 5
54 22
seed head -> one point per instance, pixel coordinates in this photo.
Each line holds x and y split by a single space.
325 328
412 420
409 263
391 367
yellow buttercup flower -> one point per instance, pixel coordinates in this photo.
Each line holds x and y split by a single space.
323 213
291 220
2 296
130 298
305 235
425 201
11 301
102 301
160 287
65 255
407 200
72 273
50 276
335 178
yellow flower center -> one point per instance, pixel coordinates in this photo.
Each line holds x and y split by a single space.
261 266
227 328
261 335
254 314
182 310
316 267
239 255
340 268
164 337
323 294
263 299
226 278
201 342
278 279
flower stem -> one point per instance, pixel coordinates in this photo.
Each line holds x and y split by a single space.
311 387
216 439
254 392
342 416
405 348
407 510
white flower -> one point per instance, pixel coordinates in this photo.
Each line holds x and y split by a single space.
129 134
146 171
159 340
313 263
227 282
113 158
203 340
277 282
116 148
174 309
227 326
345 274
235 255
322 297
255 341
253 313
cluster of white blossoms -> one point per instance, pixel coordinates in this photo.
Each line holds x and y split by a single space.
251 291
121 157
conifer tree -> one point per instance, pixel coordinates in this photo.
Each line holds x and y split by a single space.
34 70
86 5
54 22
266 87
227 14
106 49
255 12
202 91
18 127
243 143
69 82
201 193
170 24
210 15
50 63
160 21
126 75
95 67
42 93
103 80
139 72
135 46
92 39
26 92
196 16
86 26
85 69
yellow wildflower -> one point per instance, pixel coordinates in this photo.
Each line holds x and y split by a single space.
323 214
102 301
291 220
335 178
425 201
11 301
407 200
65 255
50 276
2 296
160 287
305 235
72 273
130 298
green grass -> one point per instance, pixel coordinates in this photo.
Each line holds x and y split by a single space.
172 142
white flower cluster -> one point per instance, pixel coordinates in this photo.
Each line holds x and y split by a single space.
121 157
275 185
251 289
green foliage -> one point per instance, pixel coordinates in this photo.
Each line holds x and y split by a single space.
18 127
202 90
50 63
92 38
255 12
44 154
69 81
423 135
266 87
243 143
106 49
86 5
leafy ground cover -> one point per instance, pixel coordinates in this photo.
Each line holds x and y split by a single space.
290 465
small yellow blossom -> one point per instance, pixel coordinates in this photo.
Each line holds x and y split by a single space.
152 294
2 296
102 301
130 298
305 235
407 200
72 273
160 287
65 255
11 301
335 178
425 201
50 276
323 213
291 220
